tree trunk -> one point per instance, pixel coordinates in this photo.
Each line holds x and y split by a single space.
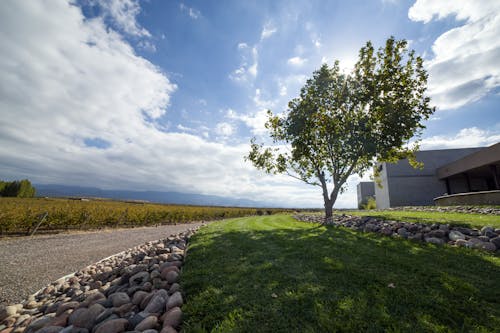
328 209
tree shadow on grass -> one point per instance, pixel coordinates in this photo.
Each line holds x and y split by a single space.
326 279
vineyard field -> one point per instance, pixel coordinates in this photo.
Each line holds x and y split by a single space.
22 215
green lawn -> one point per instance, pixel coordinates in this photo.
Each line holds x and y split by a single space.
273 274
463 219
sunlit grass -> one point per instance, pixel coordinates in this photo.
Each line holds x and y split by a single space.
463 219
273 274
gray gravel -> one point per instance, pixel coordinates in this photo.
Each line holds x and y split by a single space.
29 264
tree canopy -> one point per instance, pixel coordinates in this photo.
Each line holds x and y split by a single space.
20 189
343 122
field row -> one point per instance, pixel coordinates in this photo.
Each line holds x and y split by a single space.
24 215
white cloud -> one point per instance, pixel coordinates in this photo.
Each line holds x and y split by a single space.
255 121
248 69
224 129
260 102
296 61
69 80
466 65
242 46
123 13
147 46
183 128
465 138
192 12
267 31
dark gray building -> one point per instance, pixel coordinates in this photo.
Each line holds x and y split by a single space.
365 191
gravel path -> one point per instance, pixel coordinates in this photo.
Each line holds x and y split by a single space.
29 264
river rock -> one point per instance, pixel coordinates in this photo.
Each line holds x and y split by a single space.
119 298
437 233
112 326
148 323
172 277
66 306
403 232
157 304
175 300
435 240
455 235
168 329
139 297
173 288
496 241
487 246
7 311
486 229
50 329
172 317
139 278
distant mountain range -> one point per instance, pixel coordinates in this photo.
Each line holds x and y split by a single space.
55 190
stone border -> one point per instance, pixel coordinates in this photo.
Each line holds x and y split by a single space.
487 238
447 209
135 290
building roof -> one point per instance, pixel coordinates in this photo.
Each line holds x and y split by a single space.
474 162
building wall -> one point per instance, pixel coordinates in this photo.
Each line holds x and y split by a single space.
382 192
402 185
365 190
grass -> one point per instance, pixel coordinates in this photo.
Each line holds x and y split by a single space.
274 274
462 219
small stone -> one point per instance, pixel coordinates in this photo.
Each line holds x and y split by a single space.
486 229
173 288
50 329
455 235
444 227
149 331
462 242
415 237
112 326
487 246
147 323
434 240
61 319
137 318
22 319
386 231
157 303
437 233
403 232
65 306
175 300
496 241
166 270
139 278
39 323
172 317
168 329
124 309
7 311
172 277
92 298
104 315
139 297
118 299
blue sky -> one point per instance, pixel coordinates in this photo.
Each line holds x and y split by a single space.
165 95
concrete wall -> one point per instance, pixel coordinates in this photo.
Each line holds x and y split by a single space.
365 190
382 193
405 186
475 198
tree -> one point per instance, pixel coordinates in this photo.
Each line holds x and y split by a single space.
343 122
20 189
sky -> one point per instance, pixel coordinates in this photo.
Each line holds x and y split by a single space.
166 95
